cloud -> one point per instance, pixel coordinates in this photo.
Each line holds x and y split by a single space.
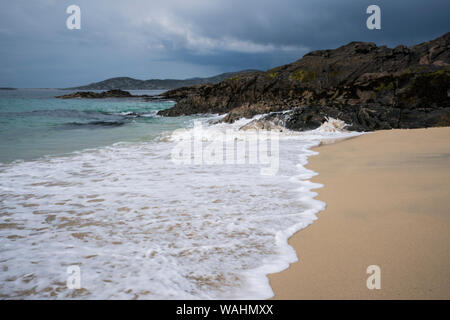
179 38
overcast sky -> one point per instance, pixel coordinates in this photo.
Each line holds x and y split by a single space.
148 39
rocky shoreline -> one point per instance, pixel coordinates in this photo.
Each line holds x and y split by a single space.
115 93
367 86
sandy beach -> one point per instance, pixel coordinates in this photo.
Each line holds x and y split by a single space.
388 204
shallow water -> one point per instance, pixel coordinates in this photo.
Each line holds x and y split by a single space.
34 124
142 226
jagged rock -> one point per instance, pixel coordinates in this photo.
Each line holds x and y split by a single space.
273 121
262 124
368 86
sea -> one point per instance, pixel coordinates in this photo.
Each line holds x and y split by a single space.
98 202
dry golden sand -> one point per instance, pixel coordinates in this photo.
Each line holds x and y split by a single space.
388 204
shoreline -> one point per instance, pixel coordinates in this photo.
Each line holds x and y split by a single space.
387 195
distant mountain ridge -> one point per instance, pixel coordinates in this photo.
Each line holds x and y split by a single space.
127 83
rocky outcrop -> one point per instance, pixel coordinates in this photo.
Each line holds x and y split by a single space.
367 86
357 117
99 95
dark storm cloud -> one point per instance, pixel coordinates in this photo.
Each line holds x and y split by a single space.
181 38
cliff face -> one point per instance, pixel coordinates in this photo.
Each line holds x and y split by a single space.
367 86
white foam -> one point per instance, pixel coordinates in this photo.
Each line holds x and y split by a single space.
140 226
332 125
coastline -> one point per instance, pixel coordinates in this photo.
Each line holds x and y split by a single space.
387 196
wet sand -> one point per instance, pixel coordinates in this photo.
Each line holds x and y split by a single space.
388 204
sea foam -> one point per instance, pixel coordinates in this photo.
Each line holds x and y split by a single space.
140 226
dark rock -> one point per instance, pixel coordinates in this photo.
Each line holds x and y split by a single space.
94 95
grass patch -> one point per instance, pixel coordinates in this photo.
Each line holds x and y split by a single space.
303 76
385 87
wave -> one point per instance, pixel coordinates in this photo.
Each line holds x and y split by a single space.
141 226
132 114
92 124
81 114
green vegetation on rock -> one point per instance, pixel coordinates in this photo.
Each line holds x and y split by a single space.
385 86
303 76
333 73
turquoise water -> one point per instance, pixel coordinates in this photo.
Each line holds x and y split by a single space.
33 123
138 224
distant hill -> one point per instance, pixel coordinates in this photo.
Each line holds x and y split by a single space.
126 83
